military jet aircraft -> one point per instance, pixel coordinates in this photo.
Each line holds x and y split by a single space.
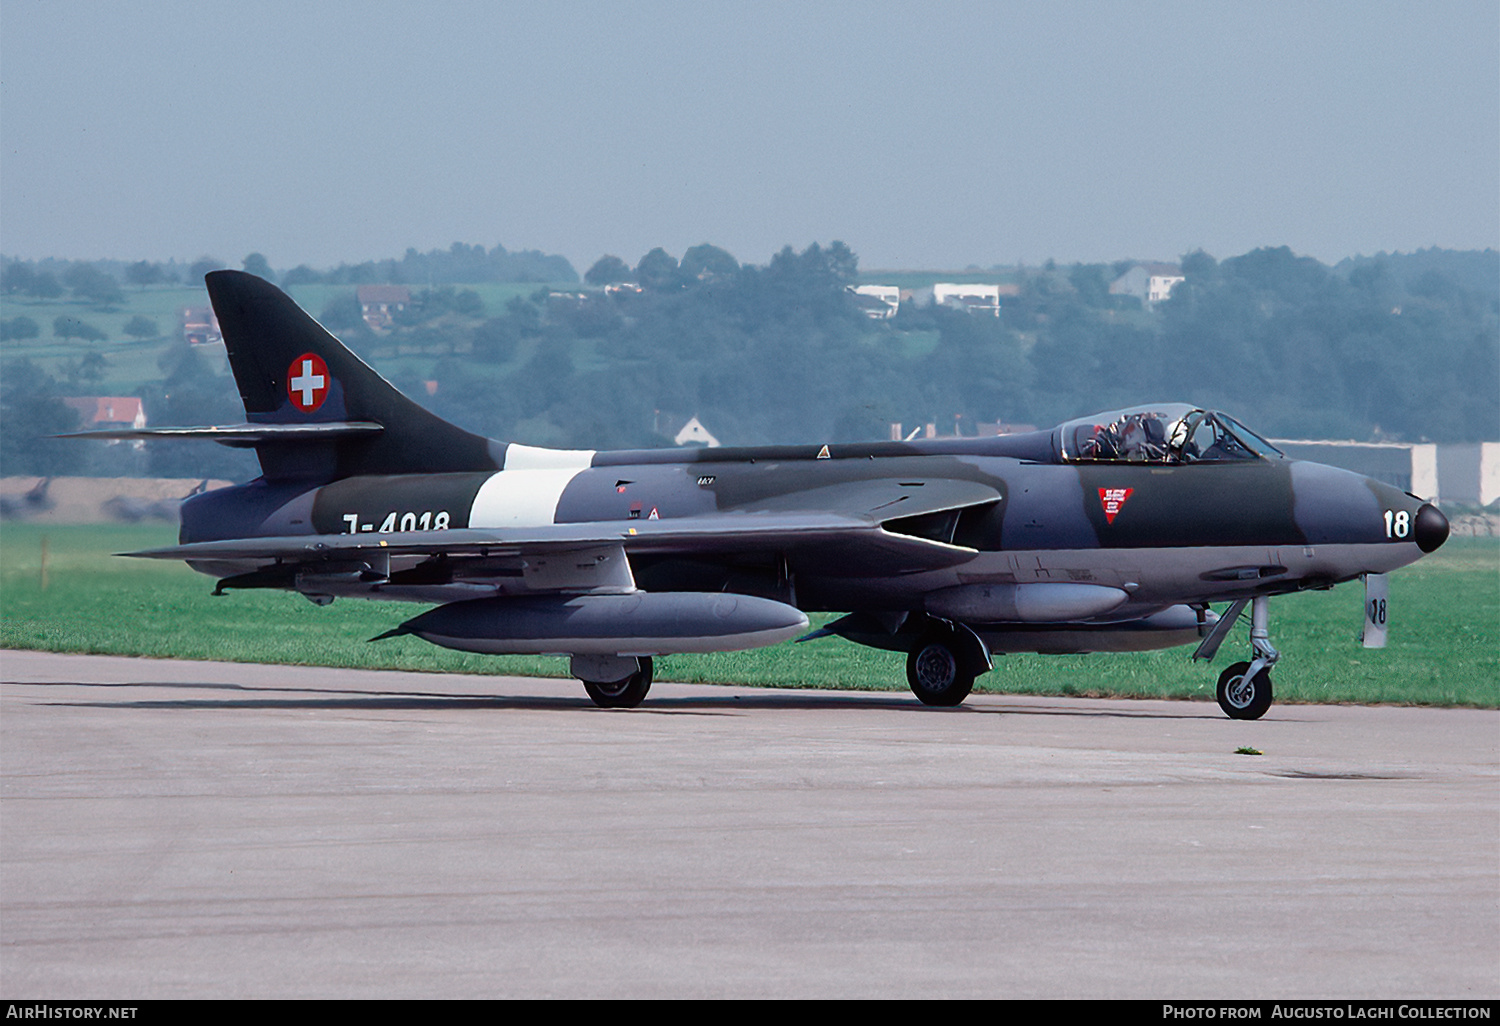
1109 533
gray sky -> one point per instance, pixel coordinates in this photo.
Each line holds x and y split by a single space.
925 135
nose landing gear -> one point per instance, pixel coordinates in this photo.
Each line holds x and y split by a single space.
1244 695
1244 690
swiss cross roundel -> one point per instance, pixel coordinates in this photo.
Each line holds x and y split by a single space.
307 381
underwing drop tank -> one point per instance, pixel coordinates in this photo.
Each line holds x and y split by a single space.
636 624
1025 603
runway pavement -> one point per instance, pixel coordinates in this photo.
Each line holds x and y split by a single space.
174 829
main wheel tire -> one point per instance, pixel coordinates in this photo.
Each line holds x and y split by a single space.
622 694
1241 697
935 674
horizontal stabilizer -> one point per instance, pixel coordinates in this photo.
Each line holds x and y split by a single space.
394 632
240 435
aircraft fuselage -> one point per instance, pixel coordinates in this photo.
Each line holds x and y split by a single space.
1164 535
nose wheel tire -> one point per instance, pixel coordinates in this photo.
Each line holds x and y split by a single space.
1243 697
622 694
936 675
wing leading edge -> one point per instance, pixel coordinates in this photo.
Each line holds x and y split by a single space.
726 533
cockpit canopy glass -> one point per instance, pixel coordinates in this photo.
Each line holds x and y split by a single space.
1166 433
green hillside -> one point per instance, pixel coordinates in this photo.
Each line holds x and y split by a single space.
1393 347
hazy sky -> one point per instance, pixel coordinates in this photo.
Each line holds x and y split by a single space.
925 135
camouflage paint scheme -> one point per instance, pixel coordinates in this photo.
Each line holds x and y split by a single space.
1015 543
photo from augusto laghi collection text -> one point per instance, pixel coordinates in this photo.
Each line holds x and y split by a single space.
1263 1010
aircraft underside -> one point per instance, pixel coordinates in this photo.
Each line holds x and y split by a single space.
949 622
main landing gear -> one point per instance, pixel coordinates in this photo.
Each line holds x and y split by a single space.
614 682
1244 690
941 667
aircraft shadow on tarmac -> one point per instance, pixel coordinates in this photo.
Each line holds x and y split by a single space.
248 697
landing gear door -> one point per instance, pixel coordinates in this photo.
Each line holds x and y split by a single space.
1376 593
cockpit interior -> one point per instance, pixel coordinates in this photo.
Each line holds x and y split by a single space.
1166 433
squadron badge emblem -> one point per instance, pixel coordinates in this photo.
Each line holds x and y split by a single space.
1112 499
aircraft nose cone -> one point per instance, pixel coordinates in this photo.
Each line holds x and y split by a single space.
1431 528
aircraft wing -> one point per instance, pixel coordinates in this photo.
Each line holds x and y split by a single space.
732 532
682 534
854 538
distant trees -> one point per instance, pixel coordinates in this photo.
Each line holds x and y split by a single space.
300 275
342 313
31 412
65 327
496 339
21 278
1403 346
1091 281
657 271
1398 346
191 393
89 283
88 368
45 286
201 267
17 277
460 263
257 265
707 261
430 304
18 329
607 270
139 327
144 272
99 282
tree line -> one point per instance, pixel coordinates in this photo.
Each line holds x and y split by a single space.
1396 346
100 281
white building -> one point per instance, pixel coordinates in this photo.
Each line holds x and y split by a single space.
694 433
1469 474
879 302
379 304
683 431
1458 474
984 299
1150 283
1411 468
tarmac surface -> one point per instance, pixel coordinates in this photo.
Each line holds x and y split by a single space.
176 829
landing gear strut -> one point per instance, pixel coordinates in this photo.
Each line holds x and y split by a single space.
1244 690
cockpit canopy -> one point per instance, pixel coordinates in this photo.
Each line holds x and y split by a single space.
1162 433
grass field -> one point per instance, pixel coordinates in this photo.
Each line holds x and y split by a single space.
1444 646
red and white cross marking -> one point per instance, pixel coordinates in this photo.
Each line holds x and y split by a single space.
307 382
1112 499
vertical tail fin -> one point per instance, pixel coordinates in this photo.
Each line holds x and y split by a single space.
291 371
